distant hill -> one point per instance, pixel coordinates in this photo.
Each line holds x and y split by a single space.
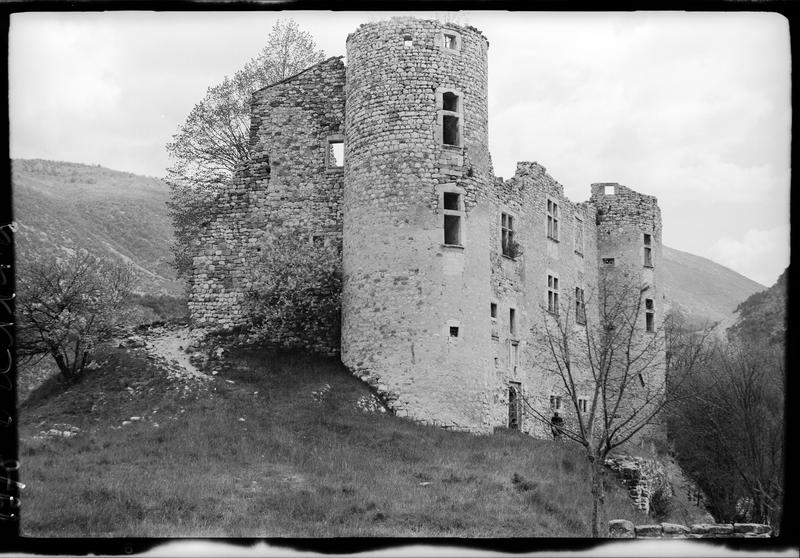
704 291
69 205
64 206
762 317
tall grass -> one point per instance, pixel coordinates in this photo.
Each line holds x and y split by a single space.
292 467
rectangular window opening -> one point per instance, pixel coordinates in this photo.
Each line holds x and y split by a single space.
580 307
608 261
335 154
452 230
452 201
450 101
408 41
610 190
453 331
512 321
507 235
493 310
583 404
552 220
578 235
450 130
450 41
555 402
552 294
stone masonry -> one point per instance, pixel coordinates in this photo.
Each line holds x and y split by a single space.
624 529
446 267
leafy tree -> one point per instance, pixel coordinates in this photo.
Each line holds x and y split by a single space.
215 138
611 372
295 296
66 306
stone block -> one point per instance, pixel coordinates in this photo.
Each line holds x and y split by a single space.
754 528
675 529
620 529
712 528
648 530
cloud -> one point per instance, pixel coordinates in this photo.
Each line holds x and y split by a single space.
761 255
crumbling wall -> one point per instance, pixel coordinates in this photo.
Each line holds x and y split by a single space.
288 185
641 477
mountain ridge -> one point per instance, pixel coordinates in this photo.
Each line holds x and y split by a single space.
62 205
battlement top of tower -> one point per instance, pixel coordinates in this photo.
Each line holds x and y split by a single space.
397 21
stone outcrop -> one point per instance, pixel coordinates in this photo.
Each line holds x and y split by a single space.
624 529
641 477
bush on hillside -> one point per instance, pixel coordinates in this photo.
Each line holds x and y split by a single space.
68 305
295 295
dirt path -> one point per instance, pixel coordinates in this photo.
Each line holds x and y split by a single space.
169 345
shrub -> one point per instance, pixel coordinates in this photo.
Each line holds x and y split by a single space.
295 296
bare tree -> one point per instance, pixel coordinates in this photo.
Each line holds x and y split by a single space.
66 306
729 431
611 370
214 141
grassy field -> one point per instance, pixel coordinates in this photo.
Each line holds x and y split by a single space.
251 453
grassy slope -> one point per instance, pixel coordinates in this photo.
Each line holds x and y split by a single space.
293 467
118 214
702 289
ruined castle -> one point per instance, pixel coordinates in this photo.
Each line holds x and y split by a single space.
448 270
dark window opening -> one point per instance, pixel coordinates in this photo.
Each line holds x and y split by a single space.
649 315
450 101
407 41
582 404
450 41
608 261
512 321
555 402
453 331
514 406
580 307
452 229
648 303
452 201
507 235
450 130
493 310
649 322
648 251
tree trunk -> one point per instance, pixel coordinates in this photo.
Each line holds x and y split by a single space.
63 366
598 498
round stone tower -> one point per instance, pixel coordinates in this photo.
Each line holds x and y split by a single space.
415 235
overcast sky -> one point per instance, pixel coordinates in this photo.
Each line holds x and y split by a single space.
693 108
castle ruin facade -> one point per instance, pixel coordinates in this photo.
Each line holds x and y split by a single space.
449 272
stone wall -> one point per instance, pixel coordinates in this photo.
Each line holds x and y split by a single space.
624 529
288 185
411 109
641 477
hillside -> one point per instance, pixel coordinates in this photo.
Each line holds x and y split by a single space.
704 291
279 444
62 205
762 317
121 214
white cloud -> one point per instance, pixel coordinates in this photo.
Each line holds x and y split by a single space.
761 255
